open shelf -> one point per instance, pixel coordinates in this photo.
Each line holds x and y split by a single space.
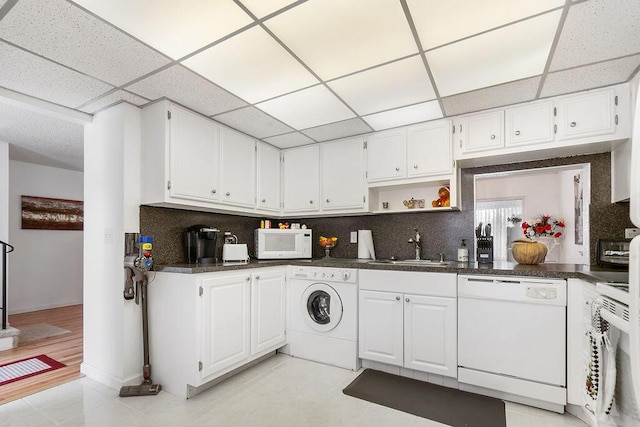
395 195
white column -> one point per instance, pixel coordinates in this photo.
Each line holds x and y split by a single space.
112 326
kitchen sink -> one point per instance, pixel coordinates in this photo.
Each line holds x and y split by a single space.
411 262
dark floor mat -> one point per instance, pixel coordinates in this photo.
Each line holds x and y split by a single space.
442 404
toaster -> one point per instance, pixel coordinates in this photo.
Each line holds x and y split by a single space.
234 254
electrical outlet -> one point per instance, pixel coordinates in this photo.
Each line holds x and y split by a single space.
354 237
630 233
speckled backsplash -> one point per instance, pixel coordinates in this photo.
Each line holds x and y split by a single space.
441 231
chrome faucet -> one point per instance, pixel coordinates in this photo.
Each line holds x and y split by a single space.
416 239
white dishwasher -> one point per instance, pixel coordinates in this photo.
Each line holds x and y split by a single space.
512 339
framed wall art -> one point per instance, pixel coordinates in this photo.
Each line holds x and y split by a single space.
43 213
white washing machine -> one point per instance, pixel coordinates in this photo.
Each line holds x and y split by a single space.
323 315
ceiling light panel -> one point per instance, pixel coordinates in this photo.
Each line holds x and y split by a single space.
262 8
68 35
253 66
491 97
389 86
590 76
254 122
511 53
338 130
405 116
337 37
307 108
598 30
32 75
439 22
187 88
175 28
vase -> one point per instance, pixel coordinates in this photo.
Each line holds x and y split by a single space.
554 248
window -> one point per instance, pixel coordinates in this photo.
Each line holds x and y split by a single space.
497 213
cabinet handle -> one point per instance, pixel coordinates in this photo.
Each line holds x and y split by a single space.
257 277
517 132
311 202
397 169
407 300
493 137
213 191
572 124
264 200
327 200
397 298
228 194
415 166
247 278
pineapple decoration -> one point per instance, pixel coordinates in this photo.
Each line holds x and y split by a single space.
328 243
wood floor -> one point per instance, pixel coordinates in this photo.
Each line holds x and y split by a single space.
65 348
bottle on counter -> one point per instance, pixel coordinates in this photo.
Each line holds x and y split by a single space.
463 252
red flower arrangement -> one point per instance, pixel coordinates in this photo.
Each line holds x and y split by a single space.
544 226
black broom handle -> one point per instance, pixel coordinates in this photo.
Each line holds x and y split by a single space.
4 281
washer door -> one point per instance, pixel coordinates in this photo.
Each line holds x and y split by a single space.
321 307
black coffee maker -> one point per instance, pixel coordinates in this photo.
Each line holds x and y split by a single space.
200 244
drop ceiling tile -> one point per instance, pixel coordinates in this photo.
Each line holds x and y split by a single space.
491 97
62 32
262 8
338 130
389 86
590 76
111 99
41 139
405 116
175 28
337 37
253 66
307 108
29 74
187 88
289 140
439 22
254 122
598 30
510 53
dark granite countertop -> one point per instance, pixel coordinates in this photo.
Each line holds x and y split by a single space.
591 274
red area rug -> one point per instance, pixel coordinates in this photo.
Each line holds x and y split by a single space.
25 368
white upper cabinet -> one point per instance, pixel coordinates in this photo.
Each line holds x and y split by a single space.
343 175
387 155
268 185
429 149
588 114
480 132
238 166
195 155
529 124
301 179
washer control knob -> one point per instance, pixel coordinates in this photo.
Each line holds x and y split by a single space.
346 275
314 274
331 275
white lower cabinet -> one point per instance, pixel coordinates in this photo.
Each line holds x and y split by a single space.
408 319
204 326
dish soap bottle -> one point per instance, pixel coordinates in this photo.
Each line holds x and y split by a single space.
463 252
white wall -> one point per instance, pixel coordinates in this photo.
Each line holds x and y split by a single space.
112 326
46 266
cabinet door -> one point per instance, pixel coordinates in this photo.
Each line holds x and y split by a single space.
268 187
268 311
195 155
529 124
481 132
430 339
429 149
586 115
380 327
343 174
387 155
225 322
301 179
238 167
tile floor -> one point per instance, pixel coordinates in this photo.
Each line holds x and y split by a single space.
282 391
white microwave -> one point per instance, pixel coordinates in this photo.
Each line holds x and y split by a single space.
274 243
